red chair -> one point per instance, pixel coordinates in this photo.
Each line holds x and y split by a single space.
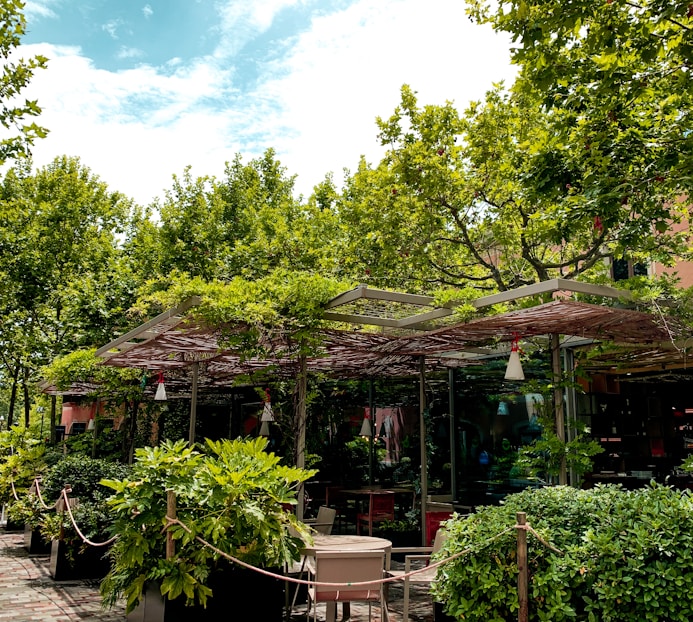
381 507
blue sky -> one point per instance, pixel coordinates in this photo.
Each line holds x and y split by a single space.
140 90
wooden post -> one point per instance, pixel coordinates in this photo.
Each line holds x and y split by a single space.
170 513
522 578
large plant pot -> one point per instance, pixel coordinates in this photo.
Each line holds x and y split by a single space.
238 595
439 614
34 543
91 563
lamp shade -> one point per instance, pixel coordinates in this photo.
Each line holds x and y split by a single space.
366 429
264 428
160 395
91 425
514 369
267 413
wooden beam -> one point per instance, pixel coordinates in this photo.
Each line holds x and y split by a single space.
112 348
552 285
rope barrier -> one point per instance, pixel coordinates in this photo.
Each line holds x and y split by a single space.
38 493
74 524
14 491
392 579
527 527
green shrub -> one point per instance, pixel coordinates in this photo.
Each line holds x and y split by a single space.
234 497
92 515
627 556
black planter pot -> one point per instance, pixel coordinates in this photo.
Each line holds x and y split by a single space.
238 595
13 525
439 614
34 543
90 563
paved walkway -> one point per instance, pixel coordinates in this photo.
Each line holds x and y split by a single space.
28 594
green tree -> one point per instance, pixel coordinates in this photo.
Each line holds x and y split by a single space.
492 199
18 135
614 77
62 281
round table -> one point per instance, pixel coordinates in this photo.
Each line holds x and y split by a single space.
322 542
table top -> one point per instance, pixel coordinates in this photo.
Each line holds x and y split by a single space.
368 491
322 542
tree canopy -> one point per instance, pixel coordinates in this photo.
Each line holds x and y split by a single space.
15 116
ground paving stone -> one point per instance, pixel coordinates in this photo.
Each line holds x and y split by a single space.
28 594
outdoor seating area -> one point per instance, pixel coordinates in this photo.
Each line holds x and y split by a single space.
28 592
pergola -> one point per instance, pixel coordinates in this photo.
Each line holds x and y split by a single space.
394 334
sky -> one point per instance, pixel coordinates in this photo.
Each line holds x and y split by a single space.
141 89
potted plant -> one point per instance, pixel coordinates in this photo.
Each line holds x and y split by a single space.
403 532
29 511
71 556
21 460
230 500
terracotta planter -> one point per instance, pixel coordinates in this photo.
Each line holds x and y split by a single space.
239 594
34 543
88 564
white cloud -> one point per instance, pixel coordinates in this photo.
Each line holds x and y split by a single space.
147 11
111 27
34 9
350 67
129 52
316 107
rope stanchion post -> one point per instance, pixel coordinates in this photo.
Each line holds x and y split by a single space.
170 517
522 578
66 490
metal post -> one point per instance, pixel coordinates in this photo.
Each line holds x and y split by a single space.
193 403
453 433
522 578
371 414
422 444
301 431
558 401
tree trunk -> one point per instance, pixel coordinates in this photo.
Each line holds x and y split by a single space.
27 404
13 398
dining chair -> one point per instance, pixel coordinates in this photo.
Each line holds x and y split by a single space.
324 521
346 568
413 554
381 507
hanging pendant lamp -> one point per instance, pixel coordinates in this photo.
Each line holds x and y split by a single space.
267 415
514 369
366 429
160 395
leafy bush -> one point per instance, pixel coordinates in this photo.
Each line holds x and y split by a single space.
92 515
627 556
234 497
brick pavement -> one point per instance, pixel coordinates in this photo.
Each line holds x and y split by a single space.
29 594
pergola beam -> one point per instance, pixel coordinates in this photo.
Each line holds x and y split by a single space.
551 286
144 332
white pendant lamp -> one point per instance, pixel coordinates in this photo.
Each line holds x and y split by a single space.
160 395
267 415
366 429
514 369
